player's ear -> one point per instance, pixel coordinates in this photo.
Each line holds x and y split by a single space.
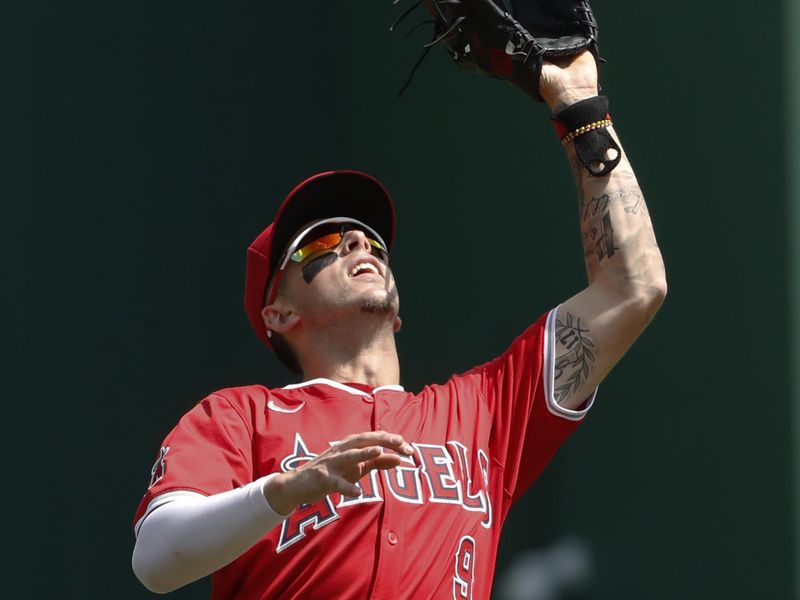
398 322
280 318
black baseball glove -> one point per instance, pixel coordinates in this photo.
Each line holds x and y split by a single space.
482 36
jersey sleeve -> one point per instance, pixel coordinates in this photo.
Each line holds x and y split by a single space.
209 451
528 425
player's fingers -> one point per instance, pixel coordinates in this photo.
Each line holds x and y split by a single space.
354 456
355 471
377 438
371 438
346 488
384 461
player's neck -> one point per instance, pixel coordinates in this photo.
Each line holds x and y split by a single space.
365 357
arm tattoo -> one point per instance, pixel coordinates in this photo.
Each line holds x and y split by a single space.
632 200
597 227
577 359
598 232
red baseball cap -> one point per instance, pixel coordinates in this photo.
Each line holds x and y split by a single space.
326 195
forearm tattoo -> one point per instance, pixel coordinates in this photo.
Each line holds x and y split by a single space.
574 356
597 228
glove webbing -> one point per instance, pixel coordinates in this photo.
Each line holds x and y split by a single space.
437 37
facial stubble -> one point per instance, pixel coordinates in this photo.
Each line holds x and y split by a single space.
373 306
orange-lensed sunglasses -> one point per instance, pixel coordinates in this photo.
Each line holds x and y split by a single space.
327 242
330 242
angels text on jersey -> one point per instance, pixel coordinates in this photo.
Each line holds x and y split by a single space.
444 476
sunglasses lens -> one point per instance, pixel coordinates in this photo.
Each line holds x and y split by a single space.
331 241
381 251
324 243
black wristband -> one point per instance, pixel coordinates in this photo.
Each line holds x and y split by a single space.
585 125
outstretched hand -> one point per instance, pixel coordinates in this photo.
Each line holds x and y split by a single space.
569 80
336 470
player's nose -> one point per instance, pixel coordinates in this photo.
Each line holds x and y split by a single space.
355 240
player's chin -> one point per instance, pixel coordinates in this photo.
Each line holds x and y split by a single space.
380 304
378 299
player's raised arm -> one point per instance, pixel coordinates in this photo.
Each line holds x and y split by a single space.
626 273
627 283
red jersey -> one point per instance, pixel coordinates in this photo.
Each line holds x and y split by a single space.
424 530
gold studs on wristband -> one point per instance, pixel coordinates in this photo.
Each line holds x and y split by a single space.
585 129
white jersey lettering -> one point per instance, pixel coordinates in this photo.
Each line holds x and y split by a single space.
446 471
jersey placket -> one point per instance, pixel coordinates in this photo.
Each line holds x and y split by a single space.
390 523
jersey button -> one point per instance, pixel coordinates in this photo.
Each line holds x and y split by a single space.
368 399
392 538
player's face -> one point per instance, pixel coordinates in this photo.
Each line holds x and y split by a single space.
352 274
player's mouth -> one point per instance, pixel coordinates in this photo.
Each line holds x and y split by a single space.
366 269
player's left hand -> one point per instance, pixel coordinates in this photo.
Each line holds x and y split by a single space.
569 80
337 469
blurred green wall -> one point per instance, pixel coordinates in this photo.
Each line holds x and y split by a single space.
145 145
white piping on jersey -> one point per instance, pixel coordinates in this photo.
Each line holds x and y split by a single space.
393 387
549 374
272 405
342 386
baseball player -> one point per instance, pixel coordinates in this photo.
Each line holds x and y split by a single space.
345 485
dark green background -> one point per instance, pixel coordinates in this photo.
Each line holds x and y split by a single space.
144 145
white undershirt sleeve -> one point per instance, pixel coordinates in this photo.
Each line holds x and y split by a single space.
185 536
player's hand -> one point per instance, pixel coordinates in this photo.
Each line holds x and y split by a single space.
567 81
336 470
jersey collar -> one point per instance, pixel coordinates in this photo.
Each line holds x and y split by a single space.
342 386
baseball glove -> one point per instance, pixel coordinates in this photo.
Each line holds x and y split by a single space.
482 36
